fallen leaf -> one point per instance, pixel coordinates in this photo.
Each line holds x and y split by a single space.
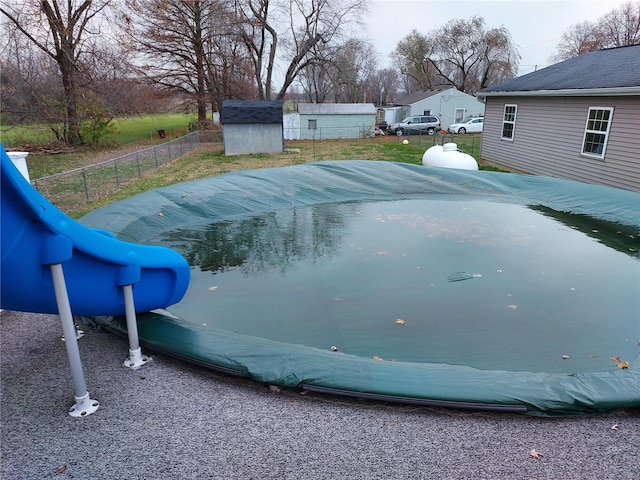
376 357
623 364
275 388
213 288
400 321
615 427
615 359
60 469
161 214
566 357
382 253
535 454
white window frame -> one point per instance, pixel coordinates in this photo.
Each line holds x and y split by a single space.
593 126
511 122
312 124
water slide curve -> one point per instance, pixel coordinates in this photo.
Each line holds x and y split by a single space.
35 235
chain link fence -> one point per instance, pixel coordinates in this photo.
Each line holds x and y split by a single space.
329 133
74 189
467 143
362 132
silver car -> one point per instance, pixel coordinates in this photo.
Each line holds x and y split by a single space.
416 125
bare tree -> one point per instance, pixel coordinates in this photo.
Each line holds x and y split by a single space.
316 82
618 28
190 47
461 54
25 72
339 73
61 30
621 26
353 63
412 59
170 40
382 86
579 39
229 69
470 58
291 33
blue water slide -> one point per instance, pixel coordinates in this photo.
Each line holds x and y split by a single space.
35 235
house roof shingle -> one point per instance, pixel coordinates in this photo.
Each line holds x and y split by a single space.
414 97
610 68
248 112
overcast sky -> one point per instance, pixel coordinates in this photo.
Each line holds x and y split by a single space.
535 25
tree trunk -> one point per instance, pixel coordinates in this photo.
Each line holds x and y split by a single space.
69 83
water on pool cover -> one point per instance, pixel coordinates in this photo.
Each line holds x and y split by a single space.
488 284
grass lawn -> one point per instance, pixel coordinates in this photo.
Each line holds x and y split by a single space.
145 127
128 129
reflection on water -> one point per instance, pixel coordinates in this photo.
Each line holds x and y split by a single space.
384 280
620 237
273 241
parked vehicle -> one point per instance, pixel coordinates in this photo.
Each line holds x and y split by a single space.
471 126
416 125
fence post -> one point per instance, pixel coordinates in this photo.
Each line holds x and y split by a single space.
84 182
138 165
115 165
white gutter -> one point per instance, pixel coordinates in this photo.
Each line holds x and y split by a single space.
570 92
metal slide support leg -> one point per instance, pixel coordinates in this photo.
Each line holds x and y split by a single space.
136 359
84 405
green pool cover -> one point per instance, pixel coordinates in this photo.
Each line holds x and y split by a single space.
402 283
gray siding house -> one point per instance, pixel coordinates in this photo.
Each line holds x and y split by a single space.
450 105
578 119
252 127
321 121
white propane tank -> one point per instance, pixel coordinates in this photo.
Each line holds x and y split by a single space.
448 156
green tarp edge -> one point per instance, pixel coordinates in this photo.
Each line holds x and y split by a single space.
144 218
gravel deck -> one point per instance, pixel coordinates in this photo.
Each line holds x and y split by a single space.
171 420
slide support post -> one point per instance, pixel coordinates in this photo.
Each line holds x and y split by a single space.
136 359
84 404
